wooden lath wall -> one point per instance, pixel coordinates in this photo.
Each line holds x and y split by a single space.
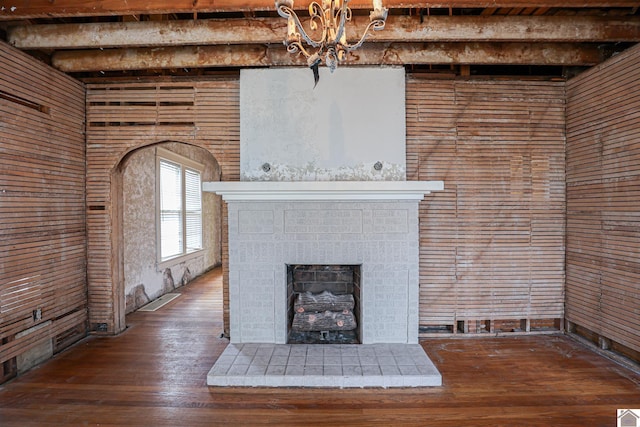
125 116
491 244
42 206
603 201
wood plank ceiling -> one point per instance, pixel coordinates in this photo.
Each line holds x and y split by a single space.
107 39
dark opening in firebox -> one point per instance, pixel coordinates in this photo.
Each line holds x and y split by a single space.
323 304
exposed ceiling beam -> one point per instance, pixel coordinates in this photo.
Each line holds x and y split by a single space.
273 30
27 9
385 54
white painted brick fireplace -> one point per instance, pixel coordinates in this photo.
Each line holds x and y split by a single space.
371 224
323 184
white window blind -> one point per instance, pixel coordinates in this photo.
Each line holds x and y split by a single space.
180 208
193 210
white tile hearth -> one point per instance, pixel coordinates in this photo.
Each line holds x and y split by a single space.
324 365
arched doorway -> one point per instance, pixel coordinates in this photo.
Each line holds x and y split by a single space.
139 274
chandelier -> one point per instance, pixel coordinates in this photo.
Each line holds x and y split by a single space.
330 18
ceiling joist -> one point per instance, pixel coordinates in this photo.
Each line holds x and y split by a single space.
381 54
29 9
273 30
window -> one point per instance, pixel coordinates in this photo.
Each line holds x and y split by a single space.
179 205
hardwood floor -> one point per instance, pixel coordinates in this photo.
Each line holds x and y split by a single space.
154 374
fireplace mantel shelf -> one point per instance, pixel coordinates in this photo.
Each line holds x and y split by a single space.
322 190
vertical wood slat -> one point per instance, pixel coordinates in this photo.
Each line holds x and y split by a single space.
491 244
43 249
603 199
124 116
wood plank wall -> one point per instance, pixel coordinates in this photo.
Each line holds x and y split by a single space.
603 200
124 116
42 205
491 244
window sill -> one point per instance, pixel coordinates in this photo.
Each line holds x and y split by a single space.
179 259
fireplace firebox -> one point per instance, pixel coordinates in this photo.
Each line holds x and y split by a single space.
323 304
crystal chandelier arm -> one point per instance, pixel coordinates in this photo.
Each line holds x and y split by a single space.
286 11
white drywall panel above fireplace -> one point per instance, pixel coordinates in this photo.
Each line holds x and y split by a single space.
338 130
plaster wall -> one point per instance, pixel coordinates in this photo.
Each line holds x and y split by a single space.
353 119
145 279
